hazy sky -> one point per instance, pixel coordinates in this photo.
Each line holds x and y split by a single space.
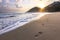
29 1
27 4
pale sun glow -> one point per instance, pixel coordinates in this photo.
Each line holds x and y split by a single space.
42 5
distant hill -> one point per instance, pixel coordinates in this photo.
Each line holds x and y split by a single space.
35 9
54 7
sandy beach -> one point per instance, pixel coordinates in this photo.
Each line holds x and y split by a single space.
46 28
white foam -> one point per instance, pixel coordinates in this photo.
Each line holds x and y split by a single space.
19 21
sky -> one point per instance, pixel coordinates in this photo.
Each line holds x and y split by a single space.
28 2
25 5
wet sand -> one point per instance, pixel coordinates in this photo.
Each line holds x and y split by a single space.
46 28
